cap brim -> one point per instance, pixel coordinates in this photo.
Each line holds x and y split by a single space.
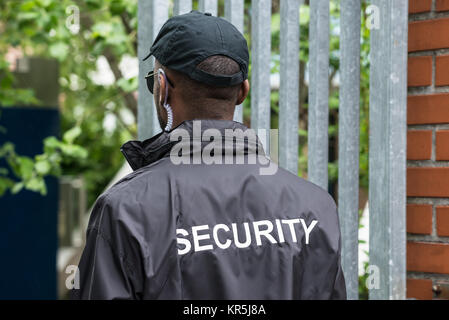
149 55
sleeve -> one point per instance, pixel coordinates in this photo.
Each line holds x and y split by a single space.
104 273
339 289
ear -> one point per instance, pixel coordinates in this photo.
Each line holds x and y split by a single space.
243 92
162 84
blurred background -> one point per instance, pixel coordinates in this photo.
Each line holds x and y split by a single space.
68 101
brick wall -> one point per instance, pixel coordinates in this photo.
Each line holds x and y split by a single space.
428 148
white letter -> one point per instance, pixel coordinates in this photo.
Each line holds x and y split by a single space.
73 20
239 145
217 241
214 146
291 225
373 280
196 143
280 233
373 21
197 238
238 244
73 280
185 242
183 146
308 229
266 232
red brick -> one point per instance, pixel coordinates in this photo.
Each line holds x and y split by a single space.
428 182
442 5
419 144
419 289
419 218
419 71
428 109
442 145
442 70
428 257
417 6
443 221
427 34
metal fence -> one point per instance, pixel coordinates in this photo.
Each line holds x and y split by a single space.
388 74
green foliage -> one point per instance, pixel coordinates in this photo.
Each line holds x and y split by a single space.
363 289
108 31
8 94
31 172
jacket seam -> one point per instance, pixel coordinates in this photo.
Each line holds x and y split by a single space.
121 256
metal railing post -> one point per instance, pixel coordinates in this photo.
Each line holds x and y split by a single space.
260 66
387 154
152 14
182 6
318 93
349 131
234 10
208 6
289 86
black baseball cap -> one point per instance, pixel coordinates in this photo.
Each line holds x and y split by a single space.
186 40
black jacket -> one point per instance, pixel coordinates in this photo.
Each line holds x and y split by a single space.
210 231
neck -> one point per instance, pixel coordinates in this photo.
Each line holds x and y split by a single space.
212 109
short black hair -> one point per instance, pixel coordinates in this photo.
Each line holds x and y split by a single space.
207 100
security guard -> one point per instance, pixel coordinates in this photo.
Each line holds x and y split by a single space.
205 214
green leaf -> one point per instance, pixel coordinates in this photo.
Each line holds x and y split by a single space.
59 50
27 6
72 134
302 132
43 167
74 151
117 7
102 29
51 143
45 3
17 187
128 85
94 4
5 184
7 147
26 167
28 15
36 184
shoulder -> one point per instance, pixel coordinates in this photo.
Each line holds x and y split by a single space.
129 195
317 198
140 181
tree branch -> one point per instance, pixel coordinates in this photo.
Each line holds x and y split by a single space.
124 16
128 97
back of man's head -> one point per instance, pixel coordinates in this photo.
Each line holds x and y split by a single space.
208 101
207 59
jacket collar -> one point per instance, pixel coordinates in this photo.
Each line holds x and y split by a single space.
142 153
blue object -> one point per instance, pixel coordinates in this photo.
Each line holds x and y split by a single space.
28 220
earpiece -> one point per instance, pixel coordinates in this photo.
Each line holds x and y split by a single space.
166 105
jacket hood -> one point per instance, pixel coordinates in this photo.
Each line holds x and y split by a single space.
142 153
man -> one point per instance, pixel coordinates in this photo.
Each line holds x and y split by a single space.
199 218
